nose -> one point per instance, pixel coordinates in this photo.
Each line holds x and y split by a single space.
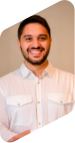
36 43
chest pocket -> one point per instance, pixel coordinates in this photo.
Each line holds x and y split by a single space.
19 109
59 104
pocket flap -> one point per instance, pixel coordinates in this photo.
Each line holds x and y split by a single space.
18 100
60 98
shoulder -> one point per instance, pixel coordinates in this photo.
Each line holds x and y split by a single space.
63 75
9 76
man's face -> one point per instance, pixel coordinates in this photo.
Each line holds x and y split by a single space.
35 43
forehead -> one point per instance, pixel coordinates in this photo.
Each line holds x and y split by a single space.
34 29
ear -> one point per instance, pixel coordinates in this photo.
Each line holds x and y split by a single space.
50 41
19 45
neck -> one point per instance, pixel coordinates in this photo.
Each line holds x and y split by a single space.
36 69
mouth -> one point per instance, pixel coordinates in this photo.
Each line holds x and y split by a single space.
36 52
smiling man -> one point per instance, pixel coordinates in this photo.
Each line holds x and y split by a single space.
34 44
37 93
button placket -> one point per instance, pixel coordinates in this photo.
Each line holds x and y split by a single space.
39 112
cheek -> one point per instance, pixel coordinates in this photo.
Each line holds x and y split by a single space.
25 46
45 45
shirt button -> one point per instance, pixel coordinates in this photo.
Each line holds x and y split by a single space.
38 102
38 82
39 123
18 104
61 102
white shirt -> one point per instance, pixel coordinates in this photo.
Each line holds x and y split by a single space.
28 102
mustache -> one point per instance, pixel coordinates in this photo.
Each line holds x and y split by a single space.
38 48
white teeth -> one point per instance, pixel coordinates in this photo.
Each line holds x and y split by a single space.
34 52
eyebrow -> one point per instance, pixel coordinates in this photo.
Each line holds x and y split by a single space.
32 35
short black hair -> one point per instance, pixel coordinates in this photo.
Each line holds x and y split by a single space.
33 19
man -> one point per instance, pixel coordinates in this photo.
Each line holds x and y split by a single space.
36 94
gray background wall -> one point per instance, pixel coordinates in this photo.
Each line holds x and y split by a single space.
61 20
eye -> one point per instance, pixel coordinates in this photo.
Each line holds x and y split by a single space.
28 39
42 38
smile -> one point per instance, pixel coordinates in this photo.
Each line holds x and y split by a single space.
35 52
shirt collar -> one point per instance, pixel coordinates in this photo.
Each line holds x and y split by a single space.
25 71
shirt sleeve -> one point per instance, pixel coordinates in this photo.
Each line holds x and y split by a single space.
5 132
